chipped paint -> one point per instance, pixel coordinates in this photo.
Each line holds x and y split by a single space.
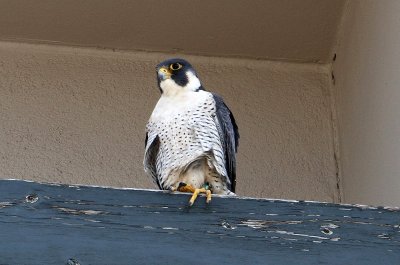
123 219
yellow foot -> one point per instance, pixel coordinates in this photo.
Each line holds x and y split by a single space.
183 187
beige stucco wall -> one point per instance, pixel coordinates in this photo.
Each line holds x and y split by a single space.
77 115
269 29
367 73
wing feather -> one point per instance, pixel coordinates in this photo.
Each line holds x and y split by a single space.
229 135
152 144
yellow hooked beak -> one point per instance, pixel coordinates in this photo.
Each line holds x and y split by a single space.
164 73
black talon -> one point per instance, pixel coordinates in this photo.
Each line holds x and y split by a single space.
181 184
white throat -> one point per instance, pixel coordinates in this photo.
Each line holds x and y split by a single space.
170 88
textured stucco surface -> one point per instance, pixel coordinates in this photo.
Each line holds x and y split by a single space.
368 96
274 29
77 115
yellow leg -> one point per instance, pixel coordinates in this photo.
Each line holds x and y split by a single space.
183 187
195 194
208 192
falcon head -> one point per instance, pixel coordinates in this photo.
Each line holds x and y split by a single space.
176 76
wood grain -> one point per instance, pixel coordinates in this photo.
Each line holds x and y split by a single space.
58 224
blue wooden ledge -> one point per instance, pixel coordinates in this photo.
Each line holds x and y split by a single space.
60 224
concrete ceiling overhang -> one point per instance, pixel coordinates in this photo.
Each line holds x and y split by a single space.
289 30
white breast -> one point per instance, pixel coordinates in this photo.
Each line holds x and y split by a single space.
169 106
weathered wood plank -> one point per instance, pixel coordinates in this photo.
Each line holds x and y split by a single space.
61 224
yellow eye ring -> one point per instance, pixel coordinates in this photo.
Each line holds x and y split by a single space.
175 66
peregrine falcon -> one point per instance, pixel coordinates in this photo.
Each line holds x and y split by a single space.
191 136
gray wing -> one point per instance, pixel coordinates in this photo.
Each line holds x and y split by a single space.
229 135
152 145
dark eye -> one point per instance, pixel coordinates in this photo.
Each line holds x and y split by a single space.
175 66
